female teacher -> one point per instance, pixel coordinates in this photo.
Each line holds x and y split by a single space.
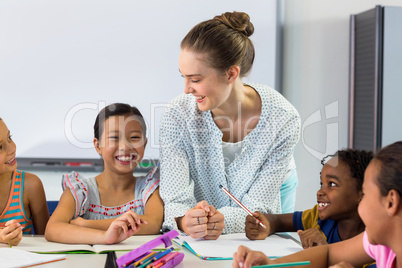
223 131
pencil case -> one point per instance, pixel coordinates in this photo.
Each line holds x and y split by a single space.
171 259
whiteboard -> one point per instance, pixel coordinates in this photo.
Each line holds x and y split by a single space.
61 61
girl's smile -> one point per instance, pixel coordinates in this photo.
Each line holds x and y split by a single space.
375 223
11 162
126 159
7 149
122 144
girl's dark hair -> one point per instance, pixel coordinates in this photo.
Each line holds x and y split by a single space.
117 109
357 160
224 40
390 173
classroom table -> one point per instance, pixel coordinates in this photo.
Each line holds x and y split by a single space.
98 260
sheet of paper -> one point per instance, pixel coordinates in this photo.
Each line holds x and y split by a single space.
226 245
40 245
128 245
11 257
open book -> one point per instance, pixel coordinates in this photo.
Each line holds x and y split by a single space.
11 257
225 246
39 244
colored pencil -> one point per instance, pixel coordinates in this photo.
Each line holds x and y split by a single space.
287 264
144 258
162 254
136 259
241 205
165 258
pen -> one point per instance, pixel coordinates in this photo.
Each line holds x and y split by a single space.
287 264
241 205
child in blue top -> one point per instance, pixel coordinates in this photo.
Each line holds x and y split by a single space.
22 197
335 216
380 210
115 204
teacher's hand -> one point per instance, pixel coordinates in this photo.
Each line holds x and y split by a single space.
194 222
216 223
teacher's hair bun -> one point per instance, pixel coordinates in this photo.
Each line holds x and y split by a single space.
238 21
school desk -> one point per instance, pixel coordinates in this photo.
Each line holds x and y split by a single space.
98 260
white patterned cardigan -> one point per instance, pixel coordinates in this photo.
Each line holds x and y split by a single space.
192 163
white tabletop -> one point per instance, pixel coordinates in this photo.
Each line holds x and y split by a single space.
98 260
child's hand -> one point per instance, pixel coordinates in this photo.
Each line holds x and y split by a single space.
245 258
12 233
311 237
255 231
342 265
123 227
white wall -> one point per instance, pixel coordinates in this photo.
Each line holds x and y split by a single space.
62 61
56 56
315 78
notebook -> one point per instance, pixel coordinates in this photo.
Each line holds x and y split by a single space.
12 257
39 244
225 246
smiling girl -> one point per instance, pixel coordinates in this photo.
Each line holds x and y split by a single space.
23 205
335 216
115 204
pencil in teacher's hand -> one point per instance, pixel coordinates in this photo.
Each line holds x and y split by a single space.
286 264
240 204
